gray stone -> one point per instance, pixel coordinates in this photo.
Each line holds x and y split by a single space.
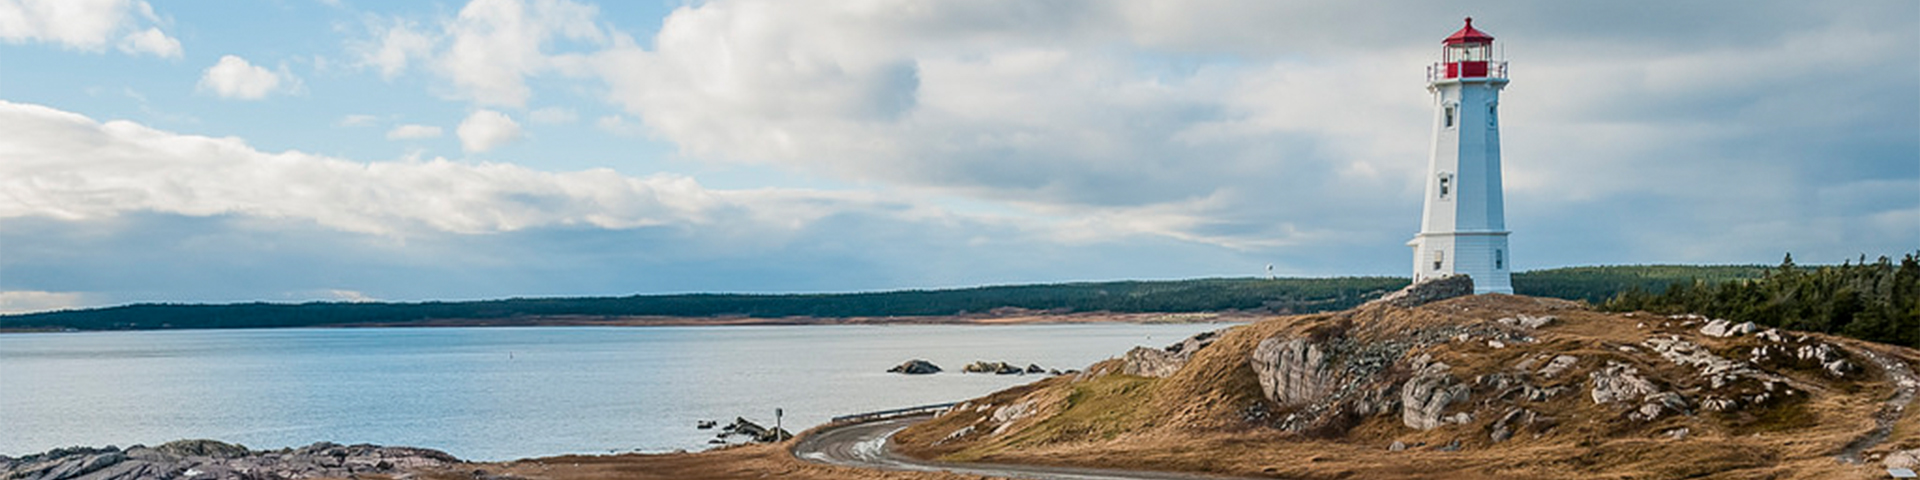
1397 446
1292 371
1429 291
1559 365
1717 328
1161 362
1536 322
1426 395
1908 459
915 367
1619 382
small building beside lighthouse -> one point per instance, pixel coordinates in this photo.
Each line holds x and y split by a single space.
1464 228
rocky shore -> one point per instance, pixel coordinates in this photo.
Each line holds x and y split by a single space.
212 460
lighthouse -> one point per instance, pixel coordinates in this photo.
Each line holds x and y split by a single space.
1464 228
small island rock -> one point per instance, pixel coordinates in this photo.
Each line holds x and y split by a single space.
915 367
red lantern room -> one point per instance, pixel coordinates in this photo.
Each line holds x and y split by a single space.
1468 54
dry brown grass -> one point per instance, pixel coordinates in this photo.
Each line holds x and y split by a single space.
1193 420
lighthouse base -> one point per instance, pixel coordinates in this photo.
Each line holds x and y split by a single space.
1479 255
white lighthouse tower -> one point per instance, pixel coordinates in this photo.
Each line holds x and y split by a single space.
1464 228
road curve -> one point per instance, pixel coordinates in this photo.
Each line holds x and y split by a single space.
865 445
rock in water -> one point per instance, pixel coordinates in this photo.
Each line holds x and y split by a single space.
915 367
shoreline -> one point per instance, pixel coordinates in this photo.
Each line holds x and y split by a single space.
988 319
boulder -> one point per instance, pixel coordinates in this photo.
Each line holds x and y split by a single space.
1161 362
1292 371
1035 368
1429 291
1619 382
1907 459
1426 395
1559 365
915 367
1717 328
1831 361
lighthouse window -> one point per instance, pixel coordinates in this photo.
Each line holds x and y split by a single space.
1446 186
1499 259
1491 109
1449 115
1439 257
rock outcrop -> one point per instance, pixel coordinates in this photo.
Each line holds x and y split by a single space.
915 367
211 460
1429 291
1161 362
1292 371
1427 395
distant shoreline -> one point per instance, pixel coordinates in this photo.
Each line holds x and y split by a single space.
731 321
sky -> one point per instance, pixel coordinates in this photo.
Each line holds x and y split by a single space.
299 150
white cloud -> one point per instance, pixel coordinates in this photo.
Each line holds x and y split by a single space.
485 130
554 115
151 41
29 301
358 120
398 43
88 25
233 77
413 132
488 50
71 167
493 45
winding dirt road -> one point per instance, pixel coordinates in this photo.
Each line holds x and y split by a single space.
865 445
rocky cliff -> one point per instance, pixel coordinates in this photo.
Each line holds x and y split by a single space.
1489 385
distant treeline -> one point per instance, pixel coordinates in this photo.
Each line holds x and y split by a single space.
1284 295
1203 295
1877 301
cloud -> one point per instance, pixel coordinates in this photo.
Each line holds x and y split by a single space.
358 120
151 41
232 77
485 130
37 301
88 25
84 196
493 45
75 169
397 44
413 132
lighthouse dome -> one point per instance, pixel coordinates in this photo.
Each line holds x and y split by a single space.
1468 34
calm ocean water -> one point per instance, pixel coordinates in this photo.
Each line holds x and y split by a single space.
502 393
